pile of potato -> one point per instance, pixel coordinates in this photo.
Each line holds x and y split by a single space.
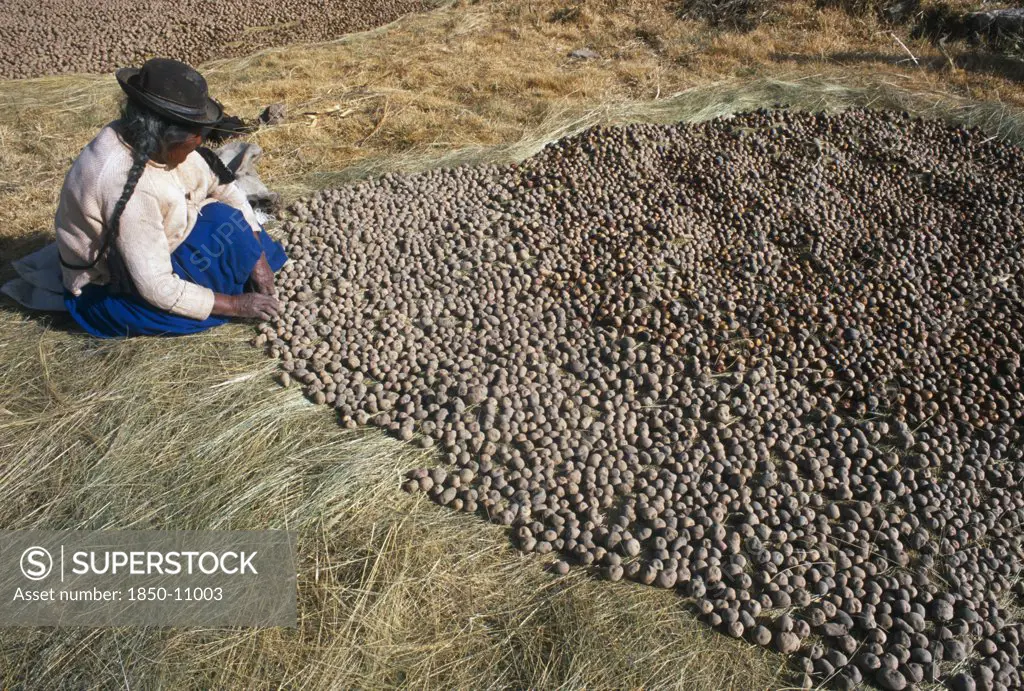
772 362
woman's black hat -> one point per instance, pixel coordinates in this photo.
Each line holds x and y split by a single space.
173 90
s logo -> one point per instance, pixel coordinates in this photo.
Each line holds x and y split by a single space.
36 563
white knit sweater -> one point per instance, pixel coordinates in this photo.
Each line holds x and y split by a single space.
158 218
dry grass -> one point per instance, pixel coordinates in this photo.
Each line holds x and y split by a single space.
190 433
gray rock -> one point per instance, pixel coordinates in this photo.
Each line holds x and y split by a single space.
273 114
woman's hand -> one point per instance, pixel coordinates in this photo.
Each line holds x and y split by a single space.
246 305
262 277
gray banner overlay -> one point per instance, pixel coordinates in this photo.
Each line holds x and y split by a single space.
147 578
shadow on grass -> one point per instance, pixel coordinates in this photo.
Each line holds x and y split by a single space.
17 246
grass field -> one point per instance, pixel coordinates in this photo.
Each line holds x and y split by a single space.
191 433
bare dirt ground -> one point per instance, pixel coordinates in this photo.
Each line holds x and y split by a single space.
192 433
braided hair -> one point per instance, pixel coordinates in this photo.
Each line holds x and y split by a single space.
223 173
147 133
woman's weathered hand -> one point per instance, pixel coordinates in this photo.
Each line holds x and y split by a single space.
262 277
246 305
256 306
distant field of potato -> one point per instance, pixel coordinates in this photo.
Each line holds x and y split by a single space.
38 39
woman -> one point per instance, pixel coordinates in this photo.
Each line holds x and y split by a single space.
154 236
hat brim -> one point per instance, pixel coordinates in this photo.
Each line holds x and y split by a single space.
211 114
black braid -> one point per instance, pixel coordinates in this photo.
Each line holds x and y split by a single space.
223 173
120 278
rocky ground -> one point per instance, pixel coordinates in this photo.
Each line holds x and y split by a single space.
771 362
66 36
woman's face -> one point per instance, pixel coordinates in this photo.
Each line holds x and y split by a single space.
176 154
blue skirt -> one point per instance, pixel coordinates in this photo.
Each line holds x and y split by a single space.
219 253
